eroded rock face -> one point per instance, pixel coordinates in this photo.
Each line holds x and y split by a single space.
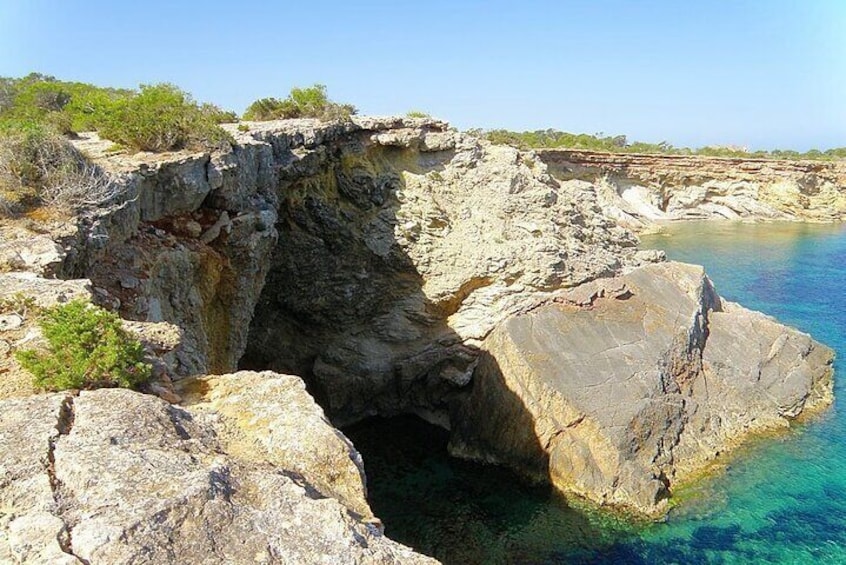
114 476
370 256
639 190
399 251
401 266
619 398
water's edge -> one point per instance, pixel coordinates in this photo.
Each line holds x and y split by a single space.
778 500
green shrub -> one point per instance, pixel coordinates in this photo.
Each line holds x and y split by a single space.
550 138
162 117
70 106
311 102
61 122
87 348
217 114
265 109
90 106
8 93
417 114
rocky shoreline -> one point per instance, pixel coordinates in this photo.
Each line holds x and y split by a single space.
394 266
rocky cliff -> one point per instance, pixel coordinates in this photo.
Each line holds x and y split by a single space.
396 266
639 190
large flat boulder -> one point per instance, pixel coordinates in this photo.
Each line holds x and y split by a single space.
618 396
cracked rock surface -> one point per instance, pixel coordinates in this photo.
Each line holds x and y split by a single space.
82 482
619 398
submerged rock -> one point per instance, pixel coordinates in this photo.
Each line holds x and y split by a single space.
114 476
619 398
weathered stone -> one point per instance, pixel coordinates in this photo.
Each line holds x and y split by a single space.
172 187
33 253
29 530
43 292
393 261
10 322
84 482
620 399
391 256
268 417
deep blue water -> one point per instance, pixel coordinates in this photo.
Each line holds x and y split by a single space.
780 500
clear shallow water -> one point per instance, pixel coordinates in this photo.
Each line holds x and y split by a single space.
780 501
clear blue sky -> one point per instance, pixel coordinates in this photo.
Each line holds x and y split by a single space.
766 73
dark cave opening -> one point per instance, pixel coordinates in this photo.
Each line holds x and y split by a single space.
461 511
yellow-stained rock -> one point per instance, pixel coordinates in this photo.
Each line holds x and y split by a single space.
268 417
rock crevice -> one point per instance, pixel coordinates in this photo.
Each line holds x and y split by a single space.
136 486
64 425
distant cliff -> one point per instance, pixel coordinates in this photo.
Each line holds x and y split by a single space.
639 190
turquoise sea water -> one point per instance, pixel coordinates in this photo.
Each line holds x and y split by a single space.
780 500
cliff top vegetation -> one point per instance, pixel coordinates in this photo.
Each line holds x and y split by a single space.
158 117
39 166
38 113
554 139
86 348
311 102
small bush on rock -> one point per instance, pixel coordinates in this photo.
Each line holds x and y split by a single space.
87 348
217 114
311 102
265 109
161 117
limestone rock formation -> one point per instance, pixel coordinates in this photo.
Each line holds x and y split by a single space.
397 266
113 476
386 260
620 397
398 251
639 190
371 257
270 418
